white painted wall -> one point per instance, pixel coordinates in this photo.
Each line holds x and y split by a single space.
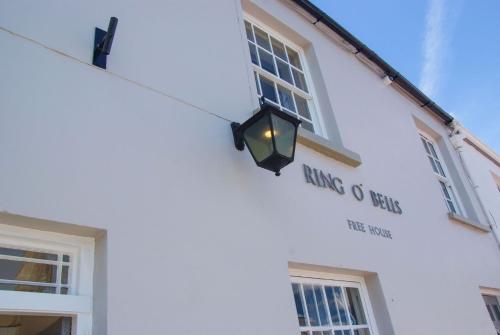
198 237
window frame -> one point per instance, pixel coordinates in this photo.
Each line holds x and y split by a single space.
78 302
332 279
442 179
310 97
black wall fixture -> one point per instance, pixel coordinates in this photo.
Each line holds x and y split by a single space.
102 43
270 135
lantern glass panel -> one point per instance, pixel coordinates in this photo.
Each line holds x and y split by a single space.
259 139
284 135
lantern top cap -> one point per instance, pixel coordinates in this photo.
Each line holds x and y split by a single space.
266 109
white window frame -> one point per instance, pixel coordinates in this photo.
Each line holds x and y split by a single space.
310 97
78 302
442 178
324 278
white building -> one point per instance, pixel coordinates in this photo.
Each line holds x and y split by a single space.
126 209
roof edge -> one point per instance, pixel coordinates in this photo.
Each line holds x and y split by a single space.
405 84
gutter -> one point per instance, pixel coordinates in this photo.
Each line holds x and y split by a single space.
423 100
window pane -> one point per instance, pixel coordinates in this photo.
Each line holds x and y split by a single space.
347 332
302 107
339 299
441 172
27 288
300 80
451 207
257 84
266 61
262 38
27 271
286 98
331 304
294 58
491 313
253 53
299 304
316 333
320 301
66 258
267 87
304 333
433 165
284 71
338 332
496 309
248 29
355 306
433 152
363 331
311 305
278 49
327 332
445 190
26 253
307 125
425 146
64 274
64 290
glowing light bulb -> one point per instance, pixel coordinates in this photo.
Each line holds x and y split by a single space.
268 134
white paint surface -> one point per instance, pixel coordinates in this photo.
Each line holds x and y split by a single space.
198 237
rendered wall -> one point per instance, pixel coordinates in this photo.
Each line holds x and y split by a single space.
198 237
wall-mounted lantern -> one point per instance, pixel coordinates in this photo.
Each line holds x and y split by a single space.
102 43
270 136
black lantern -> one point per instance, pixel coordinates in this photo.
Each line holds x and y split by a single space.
270 135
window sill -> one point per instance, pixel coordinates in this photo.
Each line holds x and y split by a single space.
461 219
328 148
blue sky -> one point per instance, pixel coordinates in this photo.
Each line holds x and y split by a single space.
449 48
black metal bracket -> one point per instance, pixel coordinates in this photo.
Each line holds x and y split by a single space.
102 43
238 140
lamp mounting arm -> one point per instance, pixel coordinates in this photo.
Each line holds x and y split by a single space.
103 41
238 138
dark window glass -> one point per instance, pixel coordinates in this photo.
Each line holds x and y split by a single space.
307 125
257 84
278 49
266 61
355 306
496 309
27 271
267 87
294 58
299 304
248 29
253 53
286 98
311 305
284 71
262 38
65 274
28 254
66 258
302 107
330 297
320 301
300 80
27 288
340 304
